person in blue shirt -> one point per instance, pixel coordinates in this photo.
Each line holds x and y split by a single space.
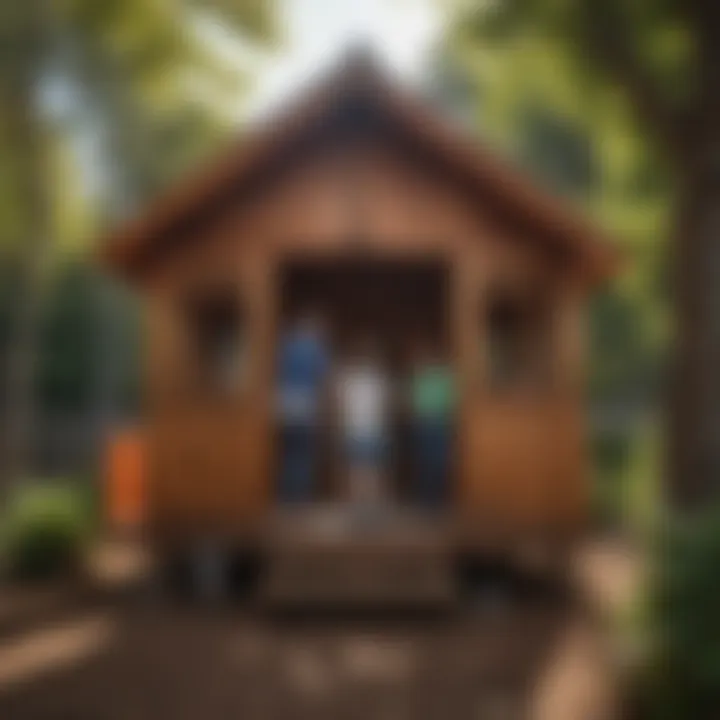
303 365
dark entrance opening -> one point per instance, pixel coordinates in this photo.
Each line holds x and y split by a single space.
401 306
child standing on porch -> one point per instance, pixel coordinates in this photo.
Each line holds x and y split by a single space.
432 401
363 396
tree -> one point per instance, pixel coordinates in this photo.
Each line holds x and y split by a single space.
126 63
24 48
659 62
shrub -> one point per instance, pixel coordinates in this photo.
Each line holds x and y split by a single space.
684 678
46 530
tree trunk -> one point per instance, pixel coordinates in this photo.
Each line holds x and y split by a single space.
26 132
694 423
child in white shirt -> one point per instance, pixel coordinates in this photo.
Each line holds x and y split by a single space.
363 392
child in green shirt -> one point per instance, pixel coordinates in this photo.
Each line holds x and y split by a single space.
432 402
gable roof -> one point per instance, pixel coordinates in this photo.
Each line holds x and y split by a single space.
358 80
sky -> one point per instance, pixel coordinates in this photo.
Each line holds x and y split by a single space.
317 33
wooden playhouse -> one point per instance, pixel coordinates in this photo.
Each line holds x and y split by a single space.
362 201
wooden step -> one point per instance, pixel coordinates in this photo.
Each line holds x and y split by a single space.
335 557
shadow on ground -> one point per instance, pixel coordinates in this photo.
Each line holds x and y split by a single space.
126 653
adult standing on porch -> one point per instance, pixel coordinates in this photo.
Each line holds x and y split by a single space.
302 370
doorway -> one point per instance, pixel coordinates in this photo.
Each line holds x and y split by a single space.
398 305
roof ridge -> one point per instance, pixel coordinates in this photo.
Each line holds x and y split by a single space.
359 76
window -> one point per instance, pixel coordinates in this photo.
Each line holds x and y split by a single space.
217 338
517 340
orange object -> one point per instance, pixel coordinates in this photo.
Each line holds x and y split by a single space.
126 492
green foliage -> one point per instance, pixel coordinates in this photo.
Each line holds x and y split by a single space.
627 358
67 366
46 529
611 453
255 17
69 363
627 479
684 678
154 88
656 34
104 103
556 150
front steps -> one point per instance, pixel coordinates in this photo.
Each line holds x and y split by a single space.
345 557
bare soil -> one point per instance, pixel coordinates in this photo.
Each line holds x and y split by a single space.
117 651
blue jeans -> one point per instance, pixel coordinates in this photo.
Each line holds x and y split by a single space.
298 462
432 441
366 450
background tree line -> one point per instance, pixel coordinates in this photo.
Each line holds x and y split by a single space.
103 104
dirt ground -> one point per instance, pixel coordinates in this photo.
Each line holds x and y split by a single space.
119 652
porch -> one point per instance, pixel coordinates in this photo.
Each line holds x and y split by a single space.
332 554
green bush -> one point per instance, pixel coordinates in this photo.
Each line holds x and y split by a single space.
684 677
46 530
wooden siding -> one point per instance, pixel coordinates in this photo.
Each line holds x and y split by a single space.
520 459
